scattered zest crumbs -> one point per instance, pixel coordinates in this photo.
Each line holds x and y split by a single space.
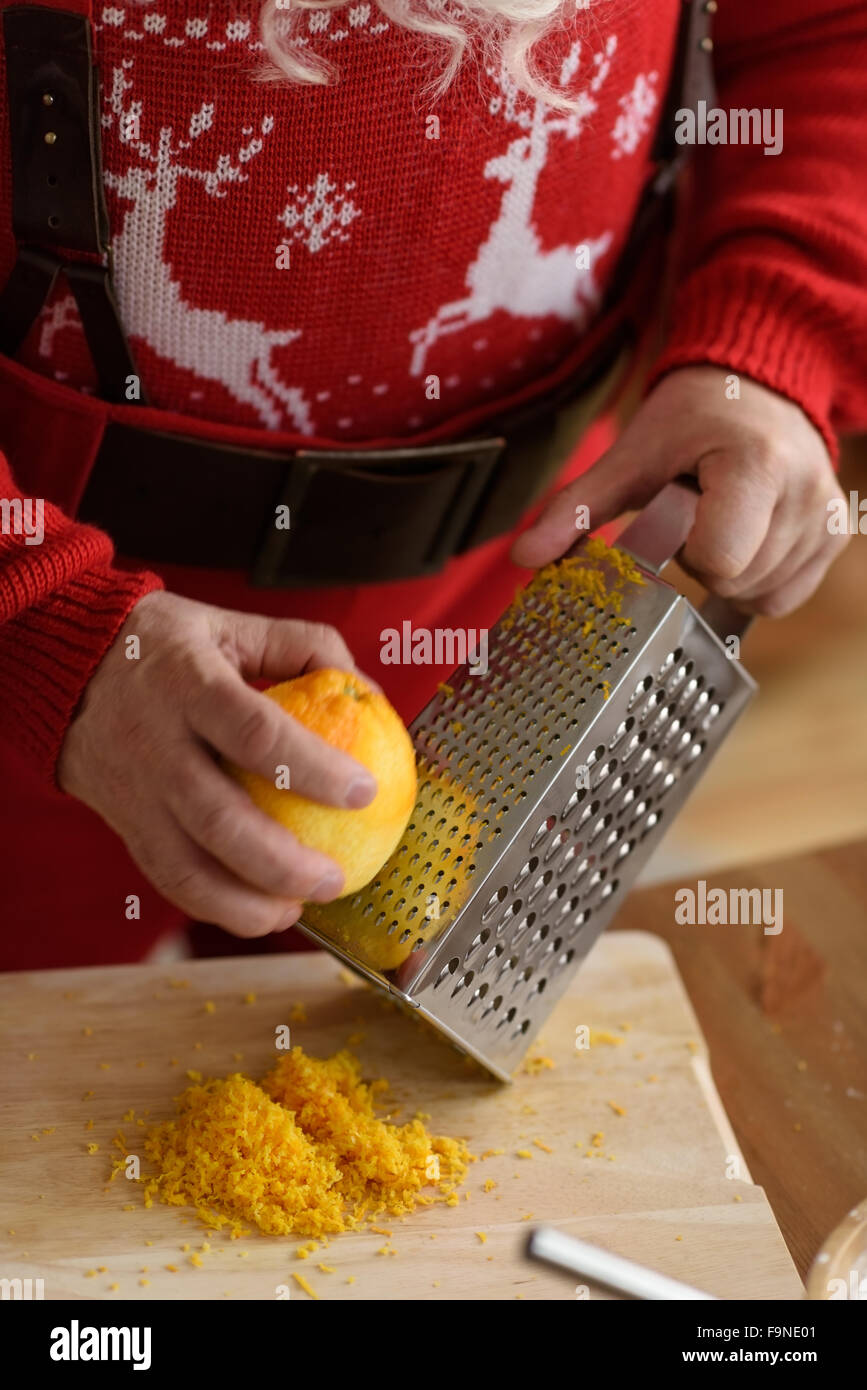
301 1152
482 1235
618 1109
523 1153
113 1288
249 998
173 1269
196 1260
298 1014
303 1284
87 1032
93 1148
546 1148
531 1066
599 1035
210 1006
327 1269
493 1153
488 1185
598 1139
143 1283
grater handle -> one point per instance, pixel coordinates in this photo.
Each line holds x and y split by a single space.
554 1247
660 529
657 534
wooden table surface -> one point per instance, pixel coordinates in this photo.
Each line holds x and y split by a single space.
785 1018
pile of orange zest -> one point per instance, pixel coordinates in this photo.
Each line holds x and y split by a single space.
300 1152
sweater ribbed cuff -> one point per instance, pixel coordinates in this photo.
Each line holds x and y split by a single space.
50 650
759 323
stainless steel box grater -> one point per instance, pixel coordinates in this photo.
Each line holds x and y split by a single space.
511 867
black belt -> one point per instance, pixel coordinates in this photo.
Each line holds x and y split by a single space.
316 517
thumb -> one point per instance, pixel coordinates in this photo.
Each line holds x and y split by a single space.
626 476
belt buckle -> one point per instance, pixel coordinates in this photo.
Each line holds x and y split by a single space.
269 560
479 458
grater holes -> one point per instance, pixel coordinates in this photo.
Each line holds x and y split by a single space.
494 903
617 786
478 993
544 829
491 1008
674 729
579 920
640 810
446 971
586 863
464 982
559 840
651 823
601 824
477 941
522 927
574 800
640 690
494 954
508 964
680 675
531 865
713 713
589 812
689 692
669 661
510 913
541 883
632 747
621 731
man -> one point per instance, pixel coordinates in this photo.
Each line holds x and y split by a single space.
360 265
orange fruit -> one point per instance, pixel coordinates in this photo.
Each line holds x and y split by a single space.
349 714
421 887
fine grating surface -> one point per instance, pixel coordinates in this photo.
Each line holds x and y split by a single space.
511 864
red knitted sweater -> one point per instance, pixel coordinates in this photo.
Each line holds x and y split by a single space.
413 247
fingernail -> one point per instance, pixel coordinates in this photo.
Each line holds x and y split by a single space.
327 887
360 792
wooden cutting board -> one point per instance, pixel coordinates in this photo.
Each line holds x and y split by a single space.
655 1187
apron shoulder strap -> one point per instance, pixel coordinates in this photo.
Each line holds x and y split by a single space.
59 215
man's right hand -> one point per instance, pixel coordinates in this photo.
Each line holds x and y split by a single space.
141 752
